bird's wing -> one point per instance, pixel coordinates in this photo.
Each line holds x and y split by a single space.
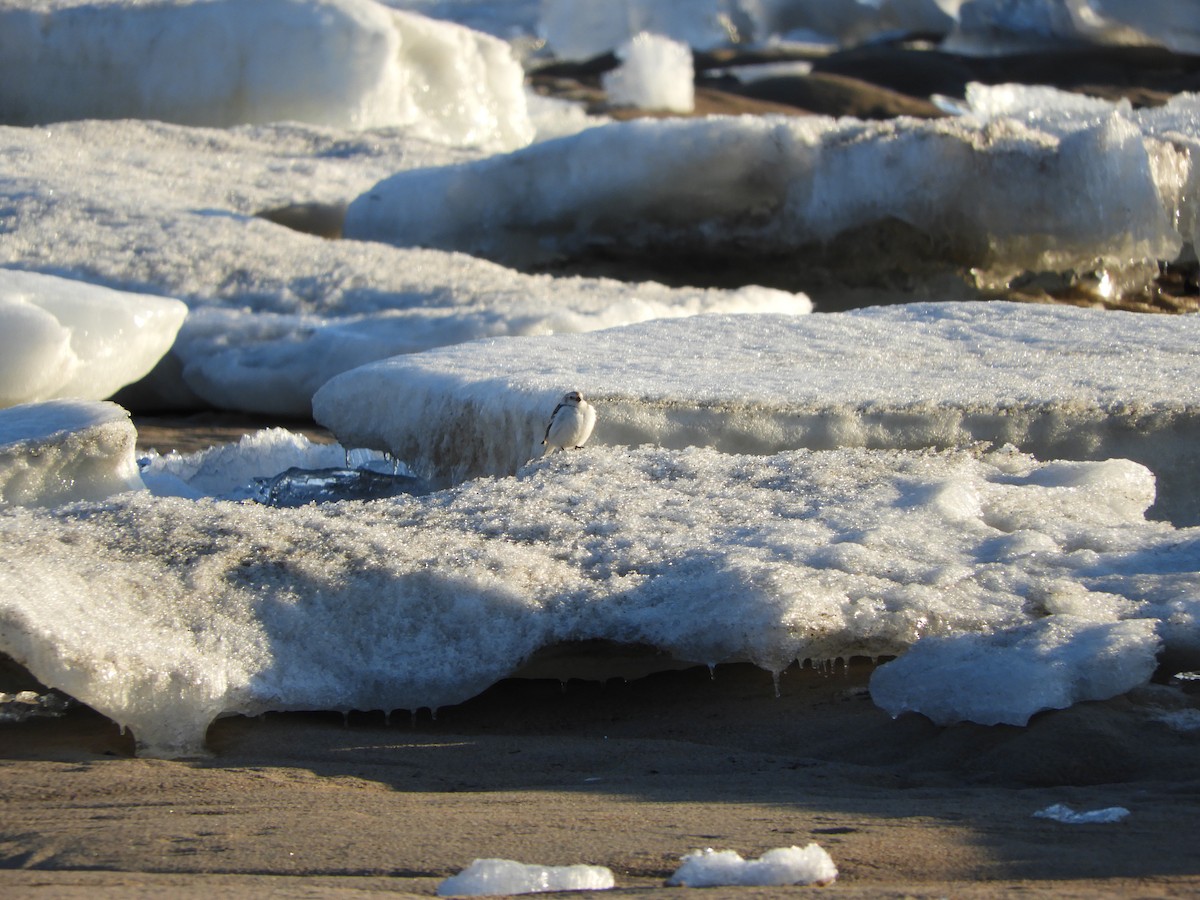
550 424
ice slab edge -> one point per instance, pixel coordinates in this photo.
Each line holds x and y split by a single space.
165 613
1060 383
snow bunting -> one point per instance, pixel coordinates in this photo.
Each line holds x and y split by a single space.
571 423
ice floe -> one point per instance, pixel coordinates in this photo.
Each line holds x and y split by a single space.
1061 383
164 613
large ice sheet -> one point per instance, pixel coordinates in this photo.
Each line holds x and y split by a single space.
1005 25
63 338
346 63
275 312
163 613
997 197
1057 382
64 451
575 30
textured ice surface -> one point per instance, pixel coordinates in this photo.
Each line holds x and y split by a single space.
343 63
276 313
62 338
65 450
486 877
1058 382
783 865
996 196
163 613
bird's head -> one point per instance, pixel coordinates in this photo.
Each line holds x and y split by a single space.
573 398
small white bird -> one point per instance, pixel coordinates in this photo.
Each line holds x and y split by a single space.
571 423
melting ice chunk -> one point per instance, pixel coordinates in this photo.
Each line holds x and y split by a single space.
64 338
783 865
299 487
486 877
1006 677
1060 812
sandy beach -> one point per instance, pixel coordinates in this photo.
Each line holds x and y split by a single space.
628 774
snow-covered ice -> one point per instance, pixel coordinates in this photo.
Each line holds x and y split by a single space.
66 450
62 338
276 313
193 608
343 63
829 487
1007 677
486 877
783 865
997 197
1057 382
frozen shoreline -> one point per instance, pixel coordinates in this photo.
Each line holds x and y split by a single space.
628 775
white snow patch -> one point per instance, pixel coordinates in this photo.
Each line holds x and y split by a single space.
655 73
783 865
488 877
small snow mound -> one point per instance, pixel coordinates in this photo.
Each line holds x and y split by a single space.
487 877
783 865
655 73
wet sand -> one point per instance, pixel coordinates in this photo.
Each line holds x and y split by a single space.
627 774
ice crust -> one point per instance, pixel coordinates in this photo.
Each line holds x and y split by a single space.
342 63
487 877
63 338
164 613
783 865
1061 383
64 451
276 313
997 196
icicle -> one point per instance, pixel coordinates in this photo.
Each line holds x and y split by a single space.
775 681
345 718
349 465
712 671
433 711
